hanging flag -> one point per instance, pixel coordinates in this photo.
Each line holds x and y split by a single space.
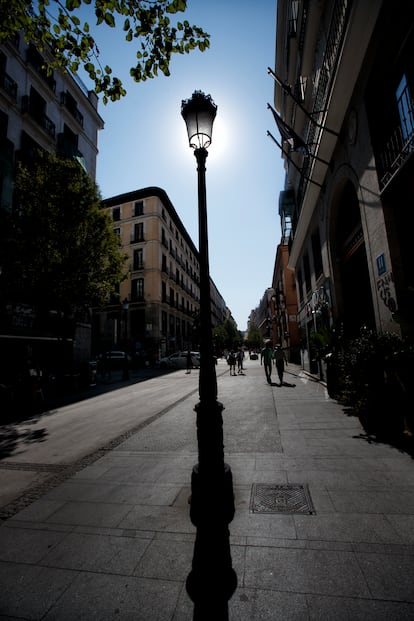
288 91
287 134
300 171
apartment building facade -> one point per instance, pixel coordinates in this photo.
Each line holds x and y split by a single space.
157 310
53 112
284 308
344 79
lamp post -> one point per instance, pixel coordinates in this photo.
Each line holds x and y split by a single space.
212 579
125 369
125 308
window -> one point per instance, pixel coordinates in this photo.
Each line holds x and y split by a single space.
405 109
300 285
116 213
172 325
163 292
70 102
172 297
163 323
164 264
4 121
117 231
317 254
68 142
293 18
138 262
35 105
139 208
137 289
138 232
306 269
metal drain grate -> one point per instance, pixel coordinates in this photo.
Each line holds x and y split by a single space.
281 499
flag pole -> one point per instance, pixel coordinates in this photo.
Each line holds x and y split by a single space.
292 162
294 136
297 102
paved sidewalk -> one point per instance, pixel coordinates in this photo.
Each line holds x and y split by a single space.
324 524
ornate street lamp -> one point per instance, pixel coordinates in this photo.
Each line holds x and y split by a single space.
125 369
212 579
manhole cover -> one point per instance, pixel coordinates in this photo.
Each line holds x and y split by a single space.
280 499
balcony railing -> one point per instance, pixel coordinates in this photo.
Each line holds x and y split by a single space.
392 157
71 107
9 85
39 116
38 63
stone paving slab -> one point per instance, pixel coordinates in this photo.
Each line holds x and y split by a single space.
114 541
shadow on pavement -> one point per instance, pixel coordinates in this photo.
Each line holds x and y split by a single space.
48 406
11 437
404 444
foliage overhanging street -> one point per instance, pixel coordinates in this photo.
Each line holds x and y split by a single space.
57 26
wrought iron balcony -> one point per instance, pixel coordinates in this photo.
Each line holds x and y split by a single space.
393 156
70 104
38 115
9 85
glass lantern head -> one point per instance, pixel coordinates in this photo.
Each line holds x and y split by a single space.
199 113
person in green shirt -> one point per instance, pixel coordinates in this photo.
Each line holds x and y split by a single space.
266 358
280 361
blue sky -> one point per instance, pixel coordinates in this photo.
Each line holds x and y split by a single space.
144 142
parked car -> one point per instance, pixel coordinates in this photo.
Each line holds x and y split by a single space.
179 360
254 356
113 360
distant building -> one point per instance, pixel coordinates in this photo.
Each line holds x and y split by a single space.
344 88
158 305
261 317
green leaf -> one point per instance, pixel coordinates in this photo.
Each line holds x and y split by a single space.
109 20
72 4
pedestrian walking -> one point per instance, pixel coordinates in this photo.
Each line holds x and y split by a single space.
231 361
280 361
189 362
266 359
240 356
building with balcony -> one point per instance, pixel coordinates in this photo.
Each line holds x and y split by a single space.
54 112
284 307
51 111
158 305
344 79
